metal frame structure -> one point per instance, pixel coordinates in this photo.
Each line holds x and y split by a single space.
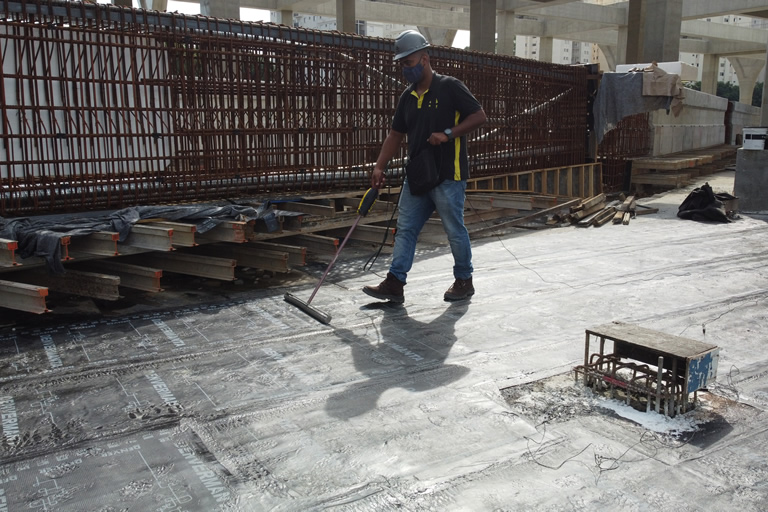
107 107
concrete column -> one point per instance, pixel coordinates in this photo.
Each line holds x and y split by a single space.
505 30
545 49
620 50
123 3
633 53
286 18
153 5
482 24
224 9
747 71
438 36
710 68
662 30
610 57
764 104
345 16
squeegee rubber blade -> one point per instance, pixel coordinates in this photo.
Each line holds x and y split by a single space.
310 310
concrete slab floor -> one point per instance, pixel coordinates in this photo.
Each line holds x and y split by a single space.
208 399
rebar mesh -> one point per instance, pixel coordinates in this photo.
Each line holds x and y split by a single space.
107 107
630 138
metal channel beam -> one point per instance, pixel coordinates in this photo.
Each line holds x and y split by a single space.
366 233
8 252
314 243
229 231
297 256
131 276
308 208
222 269
100 244
75 282
147 237
23 297
246 256
183 234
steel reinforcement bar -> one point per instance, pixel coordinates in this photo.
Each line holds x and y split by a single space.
107 107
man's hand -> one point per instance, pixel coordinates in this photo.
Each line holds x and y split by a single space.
378 179
437 138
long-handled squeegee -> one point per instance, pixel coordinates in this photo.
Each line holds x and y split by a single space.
362 210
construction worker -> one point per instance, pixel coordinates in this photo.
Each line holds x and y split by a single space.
436 112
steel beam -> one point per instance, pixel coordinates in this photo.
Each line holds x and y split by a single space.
297 256
183 234
191 264
8 252
131 276
246 256
147 237
74 282
23 297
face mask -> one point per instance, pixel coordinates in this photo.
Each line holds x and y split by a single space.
413 74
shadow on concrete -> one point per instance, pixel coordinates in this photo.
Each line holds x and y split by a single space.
407 353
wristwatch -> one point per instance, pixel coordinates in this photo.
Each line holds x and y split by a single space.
449 133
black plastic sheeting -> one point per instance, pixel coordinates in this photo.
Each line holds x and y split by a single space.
41 236
703 204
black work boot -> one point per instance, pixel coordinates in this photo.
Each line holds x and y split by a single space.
390 289
460 289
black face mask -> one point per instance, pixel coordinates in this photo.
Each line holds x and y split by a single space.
414 73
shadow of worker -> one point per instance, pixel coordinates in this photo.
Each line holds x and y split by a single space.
404 353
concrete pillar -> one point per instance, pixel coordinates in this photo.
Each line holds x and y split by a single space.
153 5
438 36
545 49
764 104
123 3
505 30
482 15
661 41
635 34
609 54
710 68
345 16
223 9
620 50
747 71
286 18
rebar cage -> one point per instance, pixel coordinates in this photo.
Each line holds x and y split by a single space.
107 107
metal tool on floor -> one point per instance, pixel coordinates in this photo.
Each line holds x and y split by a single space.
363 208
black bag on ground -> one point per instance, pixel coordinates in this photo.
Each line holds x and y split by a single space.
422 172
704 205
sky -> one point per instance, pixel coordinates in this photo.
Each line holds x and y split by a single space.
460 41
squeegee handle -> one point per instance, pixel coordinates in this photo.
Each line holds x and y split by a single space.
367 201
335 257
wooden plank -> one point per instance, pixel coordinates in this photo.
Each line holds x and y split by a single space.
523 220
23 297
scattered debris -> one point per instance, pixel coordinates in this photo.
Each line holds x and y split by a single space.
596 211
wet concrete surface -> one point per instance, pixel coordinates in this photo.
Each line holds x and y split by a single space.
215 396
